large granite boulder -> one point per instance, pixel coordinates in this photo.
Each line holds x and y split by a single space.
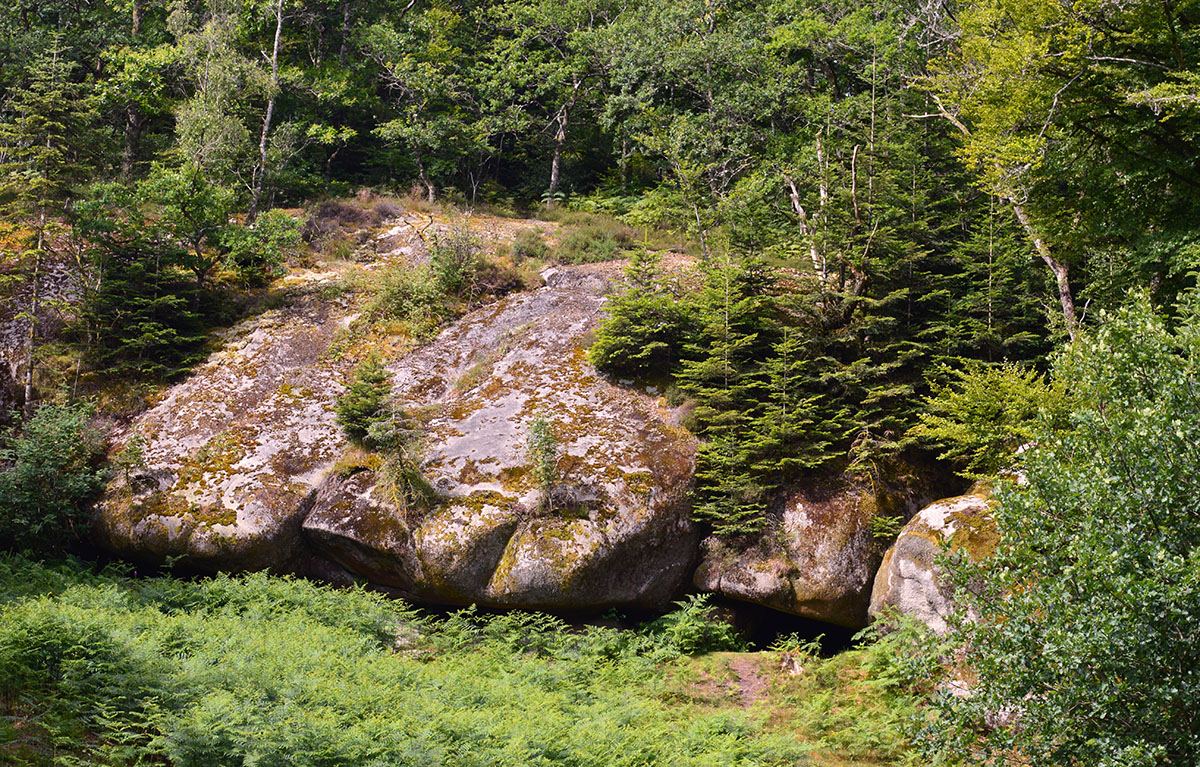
616 530
819 552
910 580
232 456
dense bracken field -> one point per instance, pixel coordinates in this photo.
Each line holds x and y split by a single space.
105 668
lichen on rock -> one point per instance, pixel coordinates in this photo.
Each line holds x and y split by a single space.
818 554
910 580
233 453
617 530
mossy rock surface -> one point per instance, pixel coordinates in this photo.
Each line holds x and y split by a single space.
234 453
910 579
818 554
617 529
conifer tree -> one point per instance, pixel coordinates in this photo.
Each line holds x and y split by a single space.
647 325
794 430
41 131
136 316
721 376
364 400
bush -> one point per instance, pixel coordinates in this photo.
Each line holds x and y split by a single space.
529 244
542 447
588 239
412 294
1088 616
257 253
50 476
692 629
455 259
983 414
362 406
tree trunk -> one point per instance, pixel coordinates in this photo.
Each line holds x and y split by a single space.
133 118
1060 270
624 165
430 191
818 261
27 405
345 32
261 170
133 133
560 140
556 161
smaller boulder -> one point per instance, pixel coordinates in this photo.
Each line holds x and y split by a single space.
819 551
910 580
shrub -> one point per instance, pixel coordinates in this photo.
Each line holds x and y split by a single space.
257 253
50 476
982 414
412 294
692 629
529 244
542 447
1086 629
362 406
455 259
589 239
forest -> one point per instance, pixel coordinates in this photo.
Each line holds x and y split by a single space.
840 241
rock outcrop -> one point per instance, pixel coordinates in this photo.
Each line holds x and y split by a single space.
818 555
617 530
910 580
232 456
246 468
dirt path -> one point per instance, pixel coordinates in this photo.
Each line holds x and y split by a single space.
752 685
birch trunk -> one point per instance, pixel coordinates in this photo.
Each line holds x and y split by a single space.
261 170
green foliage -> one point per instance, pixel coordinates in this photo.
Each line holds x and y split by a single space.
595 238
1087 618
362 409
543 450
529 244
1024 80
455 261
115 671
45 128
412 294
886 527
646 325
140 318
132 455
257 252
692 629
979 415
736 323
193 211
50 474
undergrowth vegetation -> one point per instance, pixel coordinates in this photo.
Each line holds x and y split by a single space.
98 668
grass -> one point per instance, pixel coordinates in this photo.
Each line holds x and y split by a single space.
103 668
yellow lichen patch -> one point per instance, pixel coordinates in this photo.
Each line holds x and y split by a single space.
218 454
517 480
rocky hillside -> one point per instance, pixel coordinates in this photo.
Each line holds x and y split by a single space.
244 466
